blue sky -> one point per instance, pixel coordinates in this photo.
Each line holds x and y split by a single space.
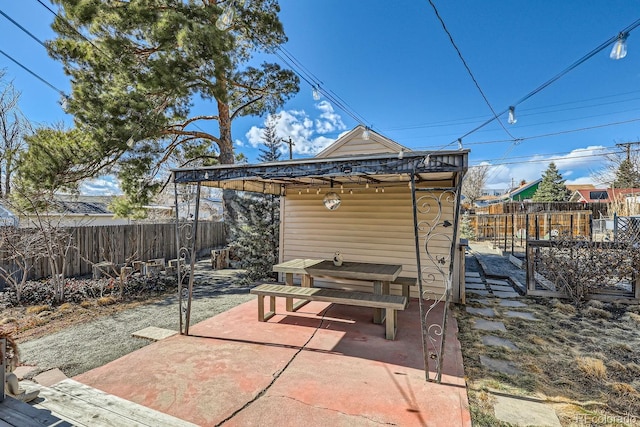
394 66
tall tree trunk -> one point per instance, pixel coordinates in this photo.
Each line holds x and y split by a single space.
225 145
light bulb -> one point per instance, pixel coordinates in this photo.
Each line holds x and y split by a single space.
376 189
307 189
226 18
64 102
366 185
382 189
316 94
350 191
512 116
130 142
299 192
365 134
619 49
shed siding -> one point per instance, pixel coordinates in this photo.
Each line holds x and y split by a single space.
367 227
359 147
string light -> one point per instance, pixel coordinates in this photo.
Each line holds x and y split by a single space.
315 93
619 49
512 116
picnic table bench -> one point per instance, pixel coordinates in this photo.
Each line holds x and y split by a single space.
390 303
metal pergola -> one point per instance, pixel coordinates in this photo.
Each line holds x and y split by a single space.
434 178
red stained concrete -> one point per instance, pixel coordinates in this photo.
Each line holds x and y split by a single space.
325 365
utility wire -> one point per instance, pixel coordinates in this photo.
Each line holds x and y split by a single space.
466 66
33 73
22 28
557 77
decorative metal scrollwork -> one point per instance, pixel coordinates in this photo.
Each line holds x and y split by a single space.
187 207
434 211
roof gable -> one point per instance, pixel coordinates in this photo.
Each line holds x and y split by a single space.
352 143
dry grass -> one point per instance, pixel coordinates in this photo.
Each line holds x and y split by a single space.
584 361
37 309
592 367
108 300
87 304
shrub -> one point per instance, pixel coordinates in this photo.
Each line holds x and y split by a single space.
592 367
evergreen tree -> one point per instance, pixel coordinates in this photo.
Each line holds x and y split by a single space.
136 68
466 230
552 188
256 232
627 176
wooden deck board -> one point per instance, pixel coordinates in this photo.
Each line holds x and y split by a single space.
19 414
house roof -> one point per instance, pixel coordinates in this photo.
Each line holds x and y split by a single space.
595 195
576 187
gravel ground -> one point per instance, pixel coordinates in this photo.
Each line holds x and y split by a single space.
80 348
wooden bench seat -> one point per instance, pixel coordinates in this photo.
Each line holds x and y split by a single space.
405 282
391 303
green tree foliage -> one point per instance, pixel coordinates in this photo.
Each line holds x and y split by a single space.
552 188
136 76
256 234
627 176
466 230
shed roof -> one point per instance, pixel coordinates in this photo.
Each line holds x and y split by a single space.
439 168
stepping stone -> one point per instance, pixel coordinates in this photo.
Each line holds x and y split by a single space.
499 365
480 300
486 312
494 341
506 294
500 288
488 325
498 282
478 292
521 412
511 303
473 280
472 274
521 315
50 377
23 371
154 334
475 286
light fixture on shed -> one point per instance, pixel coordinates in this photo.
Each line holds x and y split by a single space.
619 49
331 201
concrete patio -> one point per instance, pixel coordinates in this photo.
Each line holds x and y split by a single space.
323 365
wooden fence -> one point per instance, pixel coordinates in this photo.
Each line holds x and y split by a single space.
510 231
122 243
597 210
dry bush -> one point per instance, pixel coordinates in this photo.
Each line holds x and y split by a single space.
579 267
564 308
7 320
633 368
86 304
65 307
534 339
36 309
632 317
592 367
109 300
616 366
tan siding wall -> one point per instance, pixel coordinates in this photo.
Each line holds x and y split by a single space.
368 227
359 147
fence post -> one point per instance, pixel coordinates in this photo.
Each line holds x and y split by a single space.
506 218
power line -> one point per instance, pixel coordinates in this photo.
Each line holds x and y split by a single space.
558 76
22 28
466 66
24 67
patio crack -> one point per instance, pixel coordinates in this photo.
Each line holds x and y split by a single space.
277 374
386 423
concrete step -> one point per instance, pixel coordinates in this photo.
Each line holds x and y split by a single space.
81 405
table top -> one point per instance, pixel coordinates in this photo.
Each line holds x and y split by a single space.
296 266
356 270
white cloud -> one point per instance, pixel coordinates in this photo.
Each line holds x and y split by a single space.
577 164
103 186
307 134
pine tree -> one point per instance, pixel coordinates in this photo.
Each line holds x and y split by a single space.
627 176
466 230
552 188
257 230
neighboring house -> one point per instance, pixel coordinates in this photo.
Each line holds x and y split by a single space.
524 192
603 195
77 211
7 218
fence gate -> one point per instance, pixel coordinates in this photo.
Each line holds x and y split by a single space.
435 211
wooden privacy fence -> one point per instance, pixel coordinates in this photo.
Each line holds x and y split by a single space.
597 209
120 244
510 231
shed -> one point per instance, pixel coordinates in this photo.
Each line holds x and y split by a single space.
396 206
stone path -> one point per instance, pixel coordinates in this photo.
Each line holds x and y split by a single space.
497 298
